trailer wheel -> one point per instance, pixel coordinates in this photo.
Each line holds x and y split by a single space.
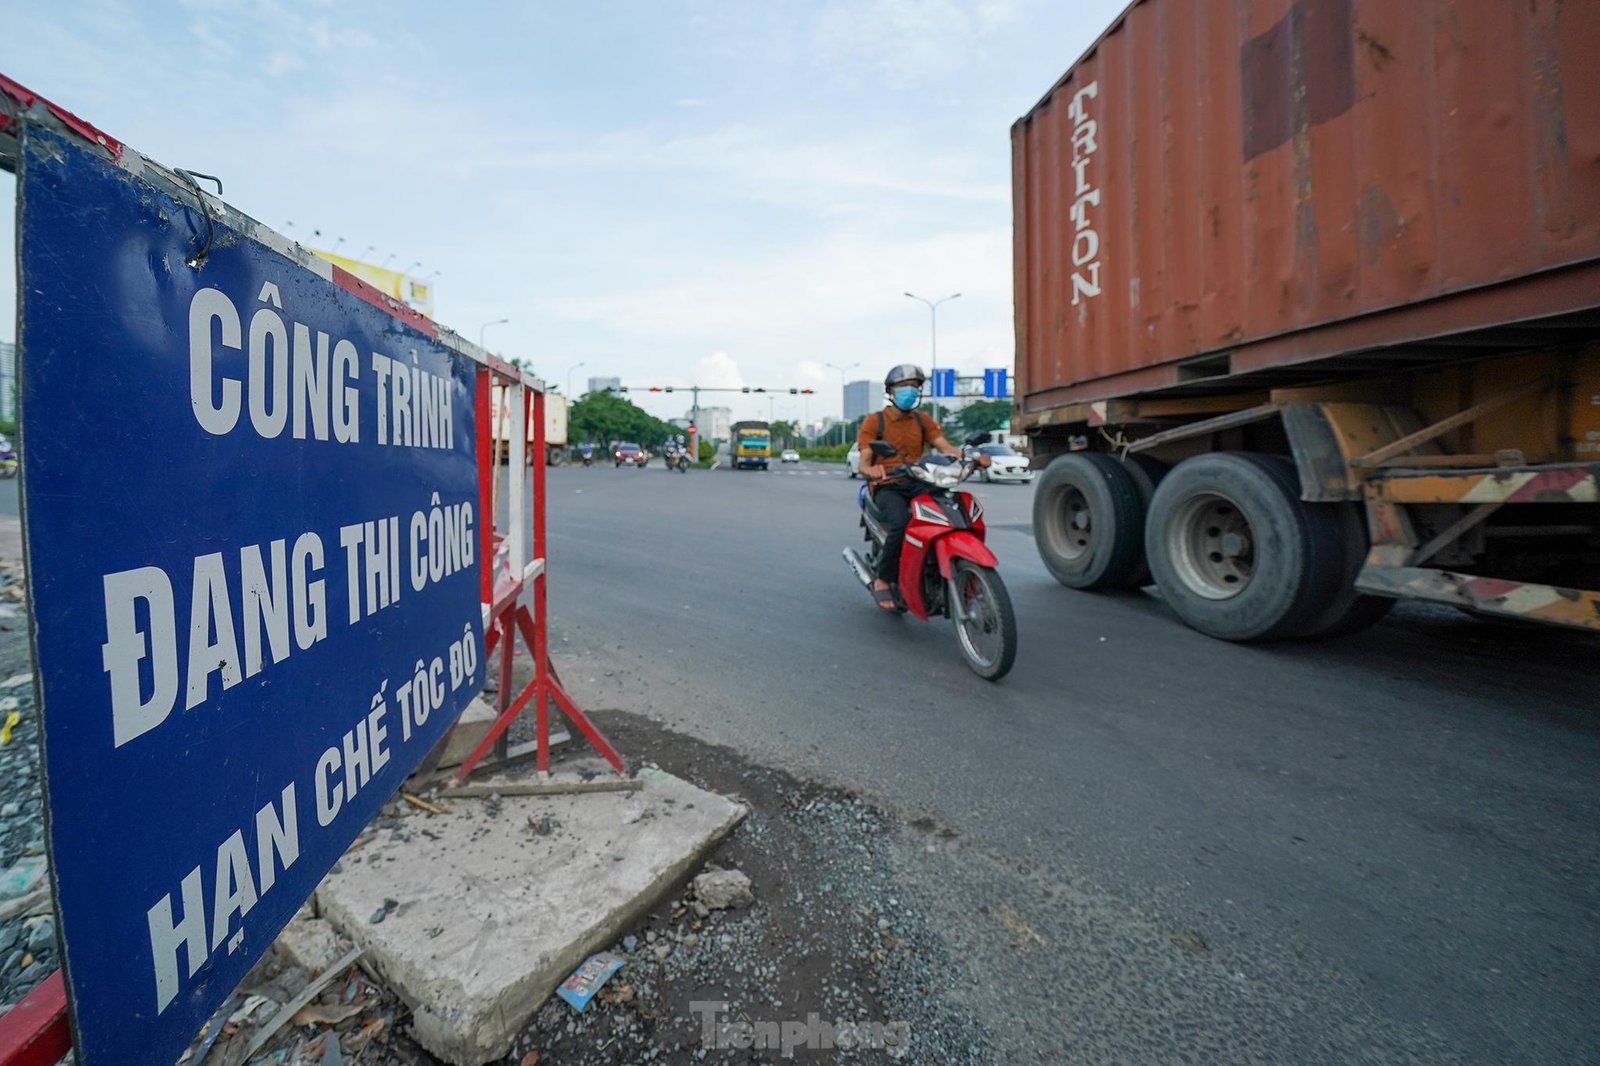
1147 474
1088 521
1236 553
1350 611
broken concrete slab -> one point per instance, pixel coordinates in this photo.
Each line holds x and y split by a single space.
310 943
721 889
498 903
468 732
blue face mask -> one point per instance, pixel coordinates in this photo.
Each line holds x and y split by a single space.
906 396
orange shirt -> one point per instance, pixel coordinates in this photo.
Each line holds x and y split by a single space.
911 433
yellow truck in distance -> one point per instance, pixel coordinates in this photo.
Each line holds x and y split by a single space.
750 446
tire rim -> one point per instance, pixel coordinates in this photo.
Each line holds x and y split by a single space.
1212 547
1075 539
982 626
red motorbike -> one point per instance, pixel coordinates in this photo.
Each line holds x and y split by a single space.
945 567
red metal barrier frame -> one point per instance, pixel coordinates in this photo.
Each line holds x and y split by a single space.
508 616
35 1032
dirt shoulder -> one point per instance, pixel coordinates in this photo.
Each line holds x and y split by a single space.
828 939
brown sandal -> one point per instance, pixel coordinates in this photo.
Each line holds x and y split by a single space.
887 600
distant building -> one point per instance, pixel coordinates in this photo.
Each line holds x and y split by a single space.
602 384
860 399
716 423
8 381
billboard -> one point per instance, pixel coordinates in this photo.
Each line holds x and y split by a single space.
416 294
249 512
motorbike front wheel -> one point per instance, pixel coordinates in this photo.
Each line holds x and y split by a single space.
986 625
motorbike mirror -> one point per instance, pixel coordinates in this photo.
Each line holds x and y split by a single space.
882 449
979 438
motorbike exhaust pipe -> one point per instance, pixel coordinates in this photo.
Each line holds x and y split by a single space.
859 565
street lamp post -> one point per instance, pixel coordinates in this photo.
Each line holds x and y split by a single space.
486 325
570 369
843 410
933 320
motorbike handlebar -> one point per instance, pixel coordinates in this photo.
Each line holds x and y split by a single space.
967 464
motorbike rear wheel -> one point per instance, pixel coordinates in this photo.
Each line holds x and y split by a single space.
987 625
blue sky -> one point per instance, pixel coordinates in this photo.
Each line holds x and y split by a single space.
666 192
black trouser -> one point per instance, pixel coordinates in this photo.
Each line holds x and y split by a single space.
893 501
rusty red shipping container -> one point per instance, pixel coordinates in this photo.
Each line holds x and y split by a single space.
1233 191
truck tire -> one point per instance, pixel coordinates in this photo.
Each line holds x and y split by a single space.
1236 552
1088 521
1147 474
1350 611
558 455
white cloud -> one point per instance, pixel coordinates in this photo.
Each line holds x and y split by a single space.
326 37
762 162
280 63
838 279
276 28
719 370
907 43
811 370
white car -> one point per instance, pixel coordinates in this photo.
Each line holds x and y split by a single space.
789 456
1005 464
852 462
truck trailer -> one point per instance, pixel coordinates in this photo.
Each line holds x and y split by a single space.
555 428
1308 311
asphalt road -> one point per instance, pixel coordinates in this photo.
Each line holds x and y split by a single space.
1389 843
1144 844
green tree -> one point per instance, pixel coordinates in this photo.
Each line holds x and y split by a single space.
985 416
603 417
783 434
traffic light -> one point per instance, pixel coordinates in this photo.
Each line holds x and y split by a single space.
746 388
669 388
655 388
806 392
794 392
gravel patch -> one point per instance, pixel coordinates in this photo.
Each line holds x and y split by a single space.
829 934
28 943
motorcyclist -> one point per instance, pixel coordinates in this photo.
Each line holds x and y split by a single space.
586 450
912 433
